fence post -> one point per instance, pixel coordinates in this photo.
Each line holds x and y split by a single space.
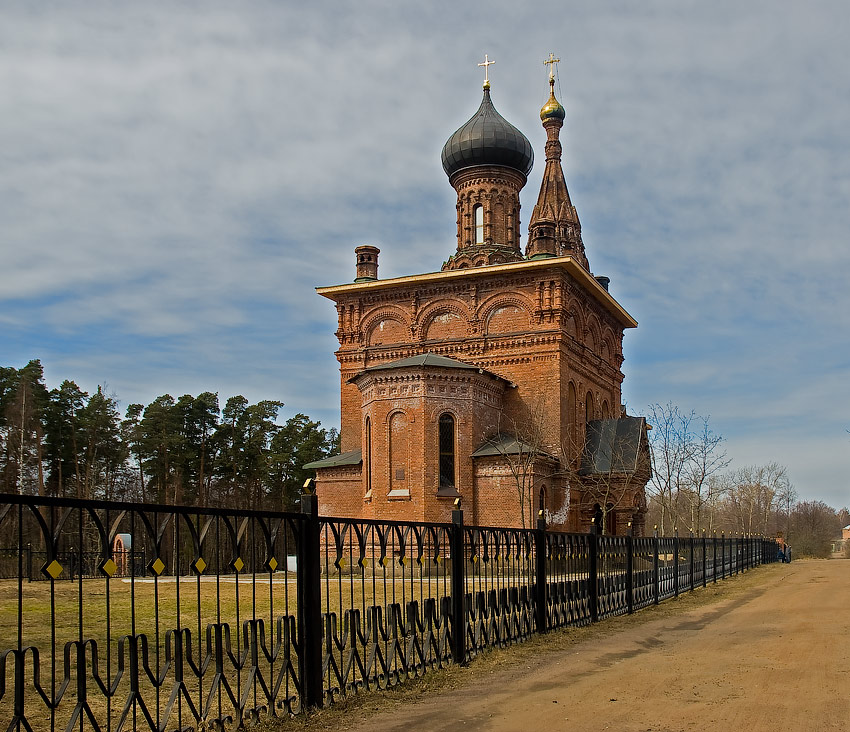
691 563
737 546
675 561
29 562
704 547
310 600
630 580
714 561
458 588
722 554
593 570
655 564
540 572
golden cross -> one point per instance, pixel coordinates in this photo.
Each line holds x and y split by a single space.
487 62
550 62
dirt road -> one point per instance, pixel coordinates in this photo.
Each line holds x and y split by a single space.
774 655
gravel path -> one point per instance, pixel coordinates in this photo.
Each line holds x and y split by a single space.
773 657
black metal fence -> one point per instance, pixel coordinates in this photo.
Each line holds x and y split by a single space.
215 618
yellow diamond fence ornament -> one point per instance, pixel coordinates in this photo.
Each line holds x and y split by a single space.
108 567
437 559
272 564
53 569
363 562
403 561
200 565
238 564
157 566
342 562
385 561
474 558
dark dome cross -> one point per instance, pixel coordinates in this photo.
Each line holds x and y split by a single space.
487 63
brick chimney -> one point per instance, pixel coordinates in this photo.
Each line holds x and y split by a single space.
367 263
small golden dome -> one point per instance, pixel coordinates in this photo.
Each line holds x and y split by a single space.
552 109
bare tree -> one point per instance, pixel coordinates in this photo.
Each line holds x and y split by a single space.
687 458
755 494
706 458
522 447
671 447
815 526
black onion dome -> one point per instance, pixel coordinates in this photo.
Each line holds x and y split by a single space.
487 139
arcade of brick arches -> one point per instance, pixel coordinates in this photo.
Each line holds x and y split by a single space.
498 377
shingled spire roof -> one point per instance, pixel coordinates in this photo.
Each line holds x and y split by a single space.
554 229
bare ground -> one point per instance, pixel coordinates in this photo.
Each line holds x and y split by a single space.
769 650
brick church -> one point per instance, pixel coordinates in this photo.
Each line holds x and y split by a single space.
498 379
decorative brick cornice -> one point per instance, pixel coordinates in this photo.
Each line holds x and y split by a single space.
393 290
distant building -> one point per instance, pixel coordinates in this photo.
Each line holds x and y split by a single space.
496 377
840 545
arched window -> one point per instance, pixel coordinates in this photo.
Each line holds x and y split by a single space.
606 413
610 520
588 407
572 416
478 215
541 503
399 454
447 451
367 458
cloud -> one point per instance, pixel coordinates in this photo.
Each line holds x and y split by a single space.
177 178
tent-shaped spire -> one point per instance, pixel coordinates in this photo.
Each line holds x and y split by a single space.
554 229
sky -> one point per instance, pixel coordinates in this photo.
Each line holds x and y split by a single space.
177 177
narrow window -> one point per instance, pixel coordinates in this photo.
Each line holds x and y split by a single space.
588 407
478 213
610 520
368 457
399 454
447 451
572 417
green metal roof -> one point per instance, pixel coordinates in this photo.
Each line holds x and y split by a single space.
432 360
504 444
352 457
424 359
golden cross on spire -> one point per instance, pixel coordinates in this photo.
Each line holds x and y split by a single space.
550 62
486 64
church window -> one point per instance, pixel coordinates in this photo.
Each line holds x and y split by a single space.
368 456
572 417
478 214
606 412
610 520
399 454
447 450
588 407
